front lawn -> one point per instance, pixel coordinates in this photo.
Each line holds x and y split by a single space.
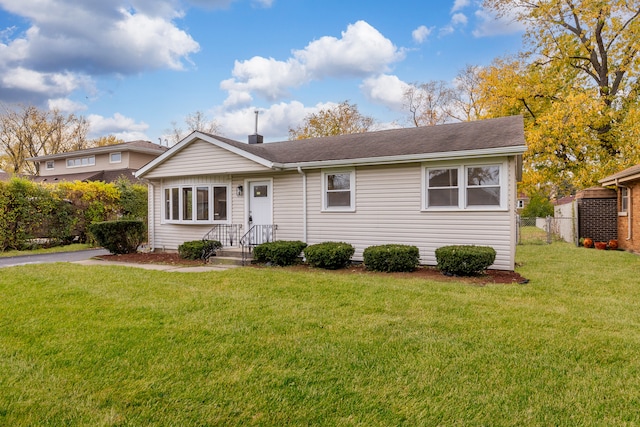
120 346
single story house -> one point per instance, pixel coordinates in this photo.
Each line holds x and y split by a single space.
107 163
426 186
627 186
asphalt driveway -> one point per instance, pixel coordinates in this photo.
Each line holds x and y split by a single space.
55 257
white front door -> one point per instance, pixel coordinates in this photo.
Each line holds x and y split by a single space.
260 211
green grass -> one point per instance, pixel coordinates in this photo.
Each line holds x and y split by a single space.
118 346
67 248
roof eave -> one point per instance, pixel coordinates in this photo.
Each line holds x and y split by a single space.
96 150
605 182
408 158
207 138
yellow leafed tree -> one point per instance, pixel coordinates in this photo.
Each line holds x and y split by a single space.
577 87
342 119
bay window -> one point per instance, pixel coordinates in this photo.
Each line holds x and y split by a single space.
195 204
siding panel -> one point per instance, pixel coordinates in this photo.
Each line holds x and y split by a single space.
202 158
388 202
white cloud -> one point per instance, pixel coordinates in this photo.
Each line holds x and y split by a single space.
445 31
386 90
122 127
361 51
268 77
66 105
68 42
421 33
460 4
489 25
459 19
273 122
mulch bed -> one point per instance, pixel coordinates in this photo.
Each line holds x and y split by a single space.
431 273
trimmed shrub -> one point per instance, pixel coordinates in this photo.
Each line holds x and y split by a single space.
280 252
198 249
391 258
118 237
465 260
329 255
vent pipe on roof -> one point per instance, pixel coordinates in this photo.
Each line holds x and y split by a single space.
255 138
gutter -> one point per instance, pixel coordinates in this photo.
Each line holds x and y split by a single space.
406 158
304 204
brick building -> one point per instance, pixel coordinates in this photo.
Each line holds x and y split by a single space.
626 185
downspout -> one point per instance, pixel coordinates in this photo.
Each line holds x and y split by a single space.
629 210
304 204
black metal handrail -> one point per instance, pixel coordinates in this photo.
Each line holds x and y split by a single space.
256 235
227 234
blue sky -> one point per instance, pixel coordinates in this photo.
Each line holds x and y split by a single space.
132 67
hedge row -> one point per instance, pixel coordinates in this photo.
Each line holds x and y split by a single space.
61 212
461 260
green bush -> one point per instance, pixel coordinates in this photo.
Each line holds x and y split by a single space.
466 260
280 252
391 258
198 249
329 255
118 237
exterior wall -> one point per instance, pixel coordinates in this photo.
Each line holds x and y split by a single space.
201 158
629 237
388 210
130 160
597 214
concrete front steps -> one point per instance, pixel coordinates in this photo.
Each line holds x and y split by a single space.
230 255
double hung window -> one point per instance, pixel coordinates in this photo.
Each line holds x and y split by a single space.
339 190
465 187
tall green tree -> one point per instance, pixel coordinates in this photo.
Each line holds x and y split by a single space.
341 119
577 85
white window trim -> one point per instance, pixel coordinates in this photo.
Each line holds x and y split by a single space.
462 186
194 209
624 211
352 189
91 161
115 161
53 165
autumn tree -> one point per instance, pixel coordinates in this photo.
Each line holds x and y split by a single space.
196 121
26 131
429 103
341 119
577 86
104 141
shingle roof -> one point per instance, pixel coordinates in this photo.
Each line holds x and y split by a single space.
484 137
465 136
135 146
627 174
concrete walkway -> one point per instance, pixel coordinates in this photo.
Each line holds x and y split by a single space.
162 267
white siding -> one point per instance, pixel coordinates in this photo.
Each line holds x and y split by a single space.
388 210
288 212
201 158
168 237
